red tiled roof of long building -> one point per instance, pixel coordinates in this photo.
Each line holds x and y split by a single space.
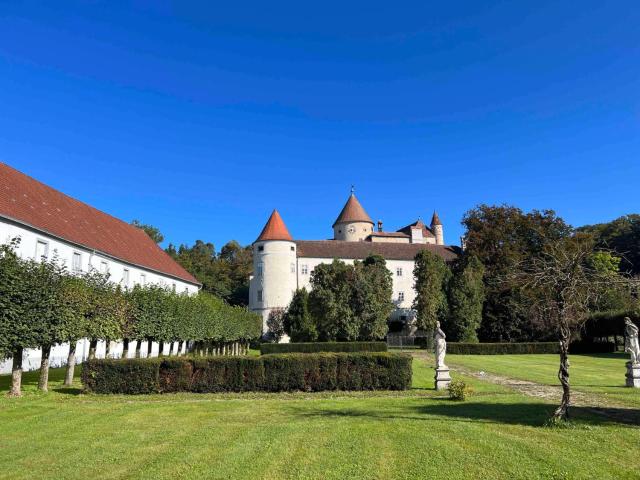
34 204
360 250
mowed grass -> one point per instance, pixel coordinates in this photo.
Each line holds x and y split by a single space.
362 435
599 374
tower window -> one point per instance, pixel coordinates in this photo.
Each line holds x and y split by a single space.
293 249
401 296
260 268
260 295
399 271
261 248
293 268
304 269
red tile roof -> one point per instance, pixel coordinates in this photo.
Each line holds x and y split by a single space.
275 229
352 212
360 250
30 202
435 220
426 232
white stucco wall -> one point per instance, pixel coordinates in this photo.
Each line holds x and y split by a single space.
64 251
352 232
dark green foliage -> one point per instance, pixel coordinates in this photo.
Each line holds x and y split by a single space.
466 298
621 235
315 347
132 376
225 274
297 321
431 276
502 238
271 373
459 390
501 348
351 302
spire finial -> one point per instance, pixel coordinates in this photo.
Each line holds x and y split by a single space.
353 189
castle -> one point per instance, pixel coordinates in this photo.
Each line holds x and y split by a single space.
281 264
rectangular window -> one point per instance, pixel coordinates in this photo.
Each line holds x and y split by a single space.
76 262
104 267
293 268
399 271
143 279
401 296
304 269
260 267
259 295
125 277
261 248
42 250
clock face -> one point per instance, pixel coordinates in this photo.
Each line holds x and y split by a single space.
352 230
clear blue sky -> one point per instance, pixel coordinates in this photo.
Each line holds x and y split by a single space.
200 118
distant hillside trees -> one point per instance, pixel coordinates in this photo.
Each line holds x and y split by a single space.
224 274
153 232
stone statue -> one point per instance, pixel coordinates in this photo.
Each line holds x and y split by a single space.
441 346
631 341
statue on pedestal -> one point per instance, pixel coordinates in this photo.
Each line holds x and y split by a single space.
442 378
632 347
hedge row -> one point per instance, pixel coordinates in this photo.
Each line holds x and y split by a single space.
501 348
315 347
269 373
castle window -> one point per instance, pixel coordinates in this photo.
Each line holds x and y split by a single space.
293 249
260 267
125 277
261 248
293 268
259 295
42 250
143 279
76 262
399 271
104 267
304 269
401 296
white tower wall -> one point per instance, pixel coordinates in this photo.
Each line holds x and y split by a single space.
352 232
274 277
437 231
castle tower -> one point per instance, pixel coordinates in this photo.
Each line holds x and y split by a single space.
274 269
436 228
353 224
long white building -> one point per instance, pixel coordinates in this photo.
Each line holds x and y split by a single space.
50 224
281 264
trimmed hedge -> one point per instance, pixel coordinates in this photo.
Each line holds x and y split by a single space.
270 373
315 347
501 348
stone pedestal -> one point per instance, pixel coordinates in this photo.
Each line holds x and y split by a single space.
633 375
442 378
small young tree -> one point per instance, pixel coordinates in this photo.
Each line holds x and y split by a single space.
77 295
275 324
431 275
297 320
561 284
466 297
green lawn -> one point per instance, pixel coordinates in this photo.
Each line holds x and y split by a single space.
414 434
601 374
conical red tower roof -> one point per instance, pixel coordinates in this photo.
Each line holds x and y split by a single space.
435 220
352 212
275 229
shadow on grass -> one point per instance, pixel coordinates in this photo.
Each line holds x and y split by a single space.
527 414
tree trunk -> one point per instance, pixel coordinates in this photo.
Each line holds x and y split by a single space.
138 348
125 348
107 348
43 382
562 412
71 364
93 346
160 349
180 345
149 347
172 349
16 373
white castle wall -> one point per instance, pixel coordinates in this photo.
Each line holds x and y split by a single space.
352 232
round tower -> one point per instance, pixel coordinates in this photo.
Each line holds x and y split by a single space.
353 224
274 277
436 228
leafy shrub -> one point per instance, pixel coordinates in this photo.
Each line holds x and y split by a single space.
587 346
132 376
501 348
272 373
314 347
459 390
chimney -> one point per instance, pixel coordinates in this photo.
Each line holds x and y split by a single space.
379 225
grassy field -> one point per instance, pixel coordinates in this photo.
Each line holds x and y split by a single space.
601 374
414 434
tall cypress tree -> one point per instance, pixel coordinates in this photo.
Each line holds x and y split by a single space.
466 297
297 320
431 275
